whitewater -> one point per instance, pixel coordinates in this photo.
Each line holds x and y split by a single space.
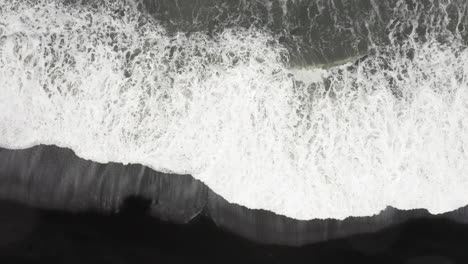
232 110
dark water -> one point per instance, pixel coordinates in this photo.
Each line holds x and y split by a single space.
318 31
314 31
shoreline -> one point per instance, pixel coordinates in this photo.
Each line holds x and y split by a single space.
50 177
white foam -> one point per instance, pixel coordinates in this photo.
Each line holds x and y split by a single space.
228 110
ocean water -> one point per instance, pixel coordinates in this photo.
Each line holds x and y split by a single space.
309 110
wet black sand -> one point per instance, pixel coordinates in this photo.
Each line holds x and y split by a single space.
29 235
50 177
